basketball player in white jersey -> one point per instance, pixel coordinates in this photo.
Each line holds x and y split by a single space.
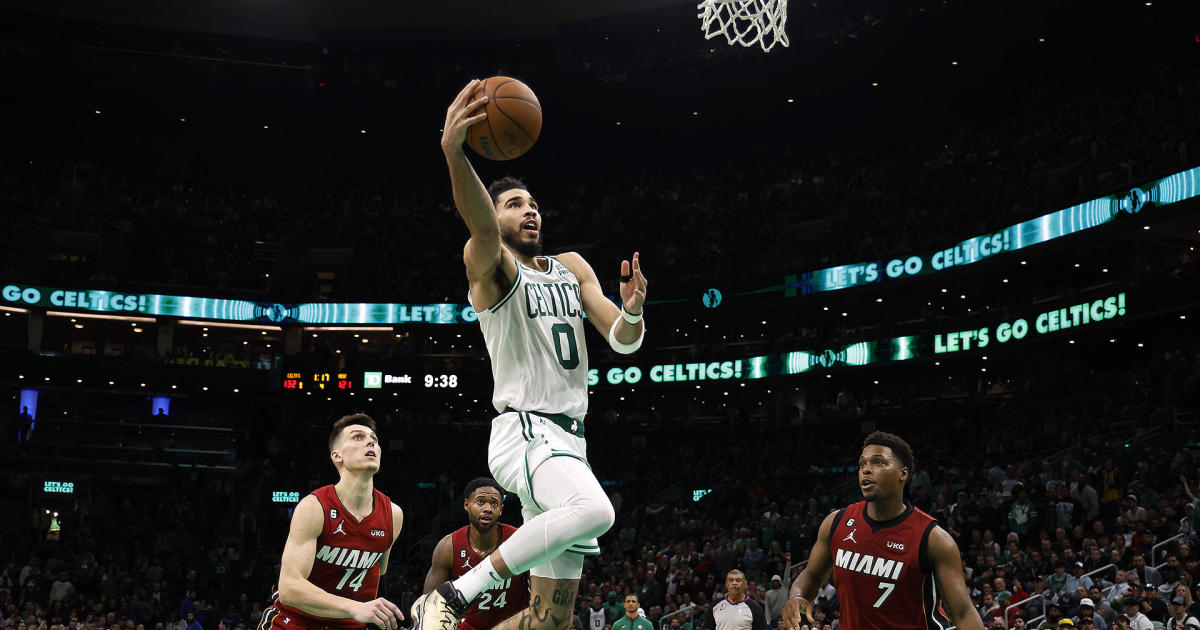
531 309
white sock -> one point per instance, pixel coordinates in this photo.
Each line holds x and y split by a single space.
480 578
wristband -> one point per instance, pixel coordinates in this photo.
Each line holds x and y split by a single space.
630 318
624 348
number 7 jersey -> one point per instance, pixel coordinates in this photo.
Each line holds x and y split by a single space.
534 335
882 571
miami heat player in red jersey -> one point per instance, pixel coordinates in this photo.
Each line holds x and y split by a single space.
892 565
458 552
339 543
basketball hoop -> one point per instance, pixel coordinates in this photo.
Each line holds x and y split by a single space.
745 22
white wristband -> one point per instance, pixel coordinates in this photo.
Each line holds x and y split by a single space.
624 348
630 318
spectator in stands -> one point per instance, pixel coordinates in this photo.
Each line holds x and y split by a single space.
776 598
597 615
989 608
1103 608
753 560
60 588
1053 615
1067 510
1021 514
1146 574
1170 572
1087 612
1058 580
1133 609
1194 608
1133 514
1121 584
1077 578
1084 492
1153 607
1180 619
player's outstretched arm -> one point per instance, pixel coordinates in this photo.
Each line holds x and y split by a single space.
397 525
483 252
600 311
439 569
799 605
299 554
948 571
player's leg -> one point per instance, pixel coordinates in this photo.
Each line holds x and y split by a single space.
568 511
551 604
574 510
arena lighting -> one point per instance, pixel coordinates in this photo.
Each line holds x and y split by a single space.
123 318
1054 225
192 322
13 309
349 328
968 337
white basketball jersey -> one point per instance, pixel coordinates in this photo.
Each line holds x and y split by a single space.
534 335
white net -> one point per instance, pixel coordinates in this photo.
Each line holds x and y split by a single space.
745 22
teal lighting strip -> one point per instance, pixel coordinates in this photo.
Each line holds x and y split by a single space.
217 309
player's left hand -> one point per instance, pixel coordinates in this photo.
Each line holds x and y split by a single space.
633 286
796 611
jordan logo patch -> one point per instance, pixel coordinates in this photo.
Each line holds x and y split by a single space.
850 536
341 531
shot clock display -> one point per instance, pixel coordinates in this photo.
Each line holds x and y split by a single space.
441 381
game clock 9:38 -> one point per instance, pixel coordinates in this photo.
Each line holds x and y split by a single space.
441 380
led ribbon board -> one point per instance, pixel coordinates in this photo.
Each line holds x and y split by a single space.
887 350
115 303
1168 190
285 496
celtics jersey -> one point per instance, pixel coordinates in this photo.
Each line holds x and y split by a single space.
534 335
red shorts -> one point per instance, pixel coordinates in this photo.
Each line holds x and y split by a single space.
276 619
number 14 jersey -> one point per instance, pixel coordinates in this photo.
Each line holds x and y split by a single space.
534 335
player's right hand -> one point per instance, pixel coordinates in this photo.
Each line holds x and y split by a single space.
796 610
380 612
459 118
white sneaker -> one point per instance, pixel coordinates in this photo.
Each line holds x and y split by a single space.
439 609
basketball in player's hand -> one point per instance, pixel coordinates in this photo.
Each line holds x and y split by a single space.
513 123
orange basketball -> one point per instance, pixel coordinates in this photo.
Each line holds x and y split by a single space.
514 119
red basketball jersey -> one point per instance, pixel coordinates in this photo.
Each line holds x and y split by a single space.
348 554
494 605
882 572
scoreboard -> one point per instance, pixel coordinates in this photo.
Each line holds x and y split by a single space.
317 381
308 382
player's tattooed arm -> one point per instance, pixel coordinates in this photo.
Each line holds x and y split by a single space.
439 569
